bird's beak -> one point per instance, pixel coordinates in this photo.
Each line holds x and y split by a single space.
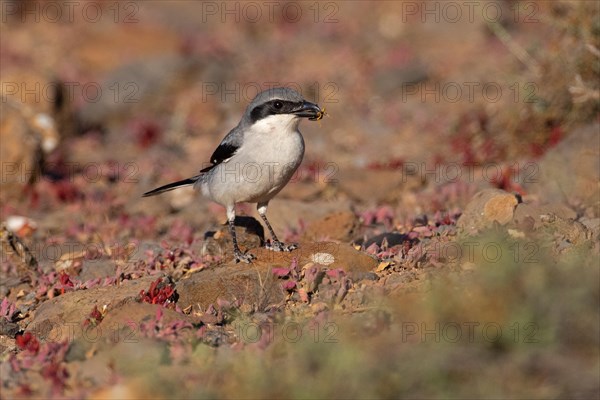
308 110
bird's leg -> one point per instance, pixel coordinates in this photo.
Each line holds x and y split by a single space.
274 244
237 253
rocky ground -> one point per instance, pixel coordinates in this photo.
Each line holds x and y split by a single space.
447 247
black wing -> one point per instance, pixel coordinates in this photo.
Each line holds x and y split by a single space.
224 152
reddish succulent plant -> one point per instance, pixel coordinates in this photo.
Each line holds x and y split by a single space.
27 341
160 292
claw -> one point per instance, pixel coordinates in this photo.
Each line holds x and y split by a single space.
244 257
278 246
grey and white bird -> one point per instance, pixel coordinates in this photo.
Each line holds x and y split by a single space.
256 159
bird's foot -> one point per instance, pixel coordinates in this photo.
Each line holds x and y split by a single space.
276 245
243 257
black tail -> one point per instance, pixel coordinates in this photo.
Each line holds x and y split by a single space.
171 186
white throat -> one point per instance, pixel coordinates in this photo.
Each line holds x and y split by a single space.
277 124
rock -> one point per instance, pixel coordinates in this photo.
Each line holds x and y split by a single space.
391 238
332 255
248 231
365 276
93 269
8 328
574 232
7 345
500 208
254 283
570 172
289 213
250 284
21 226
19 152
61 318
122 324
593 225
485 208
28 128
527 214
339 226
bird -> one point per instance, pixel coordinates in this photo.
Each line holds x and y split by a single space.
255 160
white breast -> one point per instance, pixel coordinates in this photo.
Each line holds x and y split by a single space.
270 154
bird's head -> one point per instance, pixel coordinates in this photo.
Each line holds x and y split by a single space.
282 106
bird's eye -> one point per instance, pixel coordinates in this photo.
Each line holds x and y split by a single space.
278 105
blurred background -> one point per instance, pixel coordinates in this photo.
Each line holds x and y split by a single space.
427 101
154 86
